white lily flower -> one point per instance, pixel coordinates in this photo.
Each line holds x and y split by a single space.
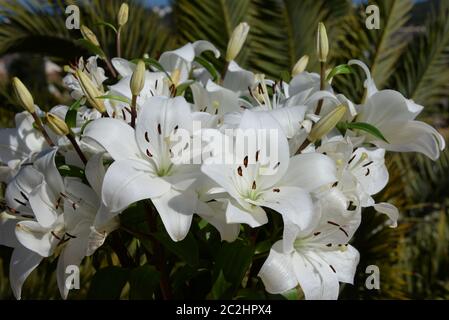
286 191
143 167
361 174
91 68
394 115
316 259
19 145
181 60
60 214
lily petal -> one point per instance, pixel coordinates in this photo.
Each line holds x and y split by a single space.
176 211
277 272
115 136
128 181
23 262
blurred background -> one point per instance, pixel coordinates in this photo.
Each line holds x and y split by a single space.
409 53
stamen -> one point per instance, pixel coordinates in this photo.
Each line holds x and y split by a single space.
367 172
155 84
149 153
159 130
146 137
54 235
344 231
333 223
329 245
332 268
276 166
24 195
317 233
352 159
239 171
276 190
254 187
20 202
367 164
335 184
257 155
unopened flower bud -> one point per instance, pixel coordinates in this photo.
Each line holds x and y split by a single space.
23 95
90 91
123 13
300 66
237 40
327 123
89 35
322 43
138 78
57 125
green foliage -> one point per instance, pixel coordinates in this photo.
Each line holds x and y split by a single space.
412 258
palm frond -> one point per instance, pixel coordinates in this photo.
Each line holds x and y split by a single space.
379 49
38 26
423 71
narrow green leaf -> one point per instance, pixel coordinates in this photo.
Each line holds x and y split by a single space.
70 117
341 69
208 66
108 25
372 130
143 282
108 283
116 98
85 125
183 87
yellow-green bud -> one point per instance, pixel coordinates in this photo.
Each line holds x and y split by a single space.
123 13
322 43
57 125
23 95
89 35
90 91
300 66
138 78
327 123
237 40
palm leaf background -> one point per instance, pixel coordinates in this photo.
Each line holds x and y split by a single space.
412 258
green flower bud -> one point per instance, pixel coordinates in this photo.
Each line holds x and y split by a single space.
327 123
57 125
23 95
138 78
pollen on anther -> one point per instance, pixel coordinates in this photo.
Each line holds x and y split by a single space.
240 171
245 162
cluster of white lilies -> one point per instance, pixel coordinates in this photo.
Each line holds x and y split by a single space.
72 171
